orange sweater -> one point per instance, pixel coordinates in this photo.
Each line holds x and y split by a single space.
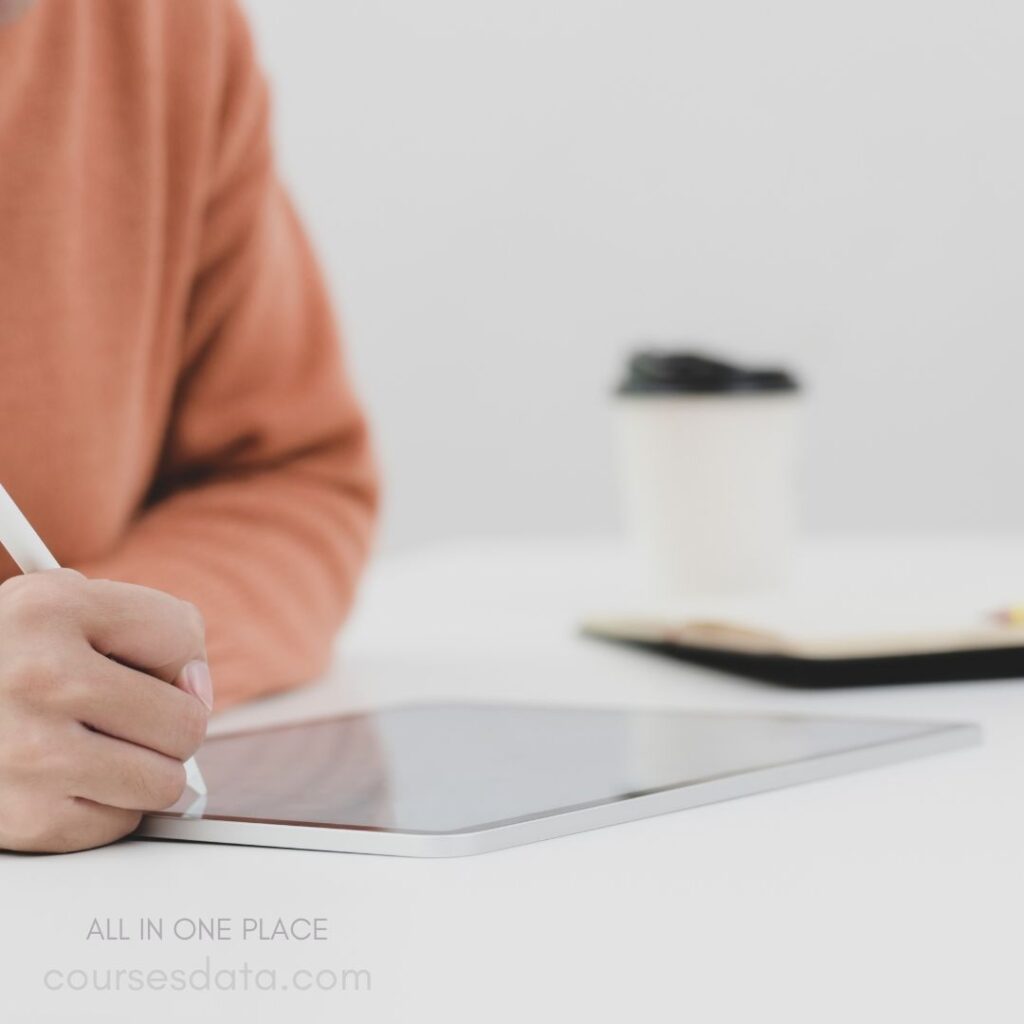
173 410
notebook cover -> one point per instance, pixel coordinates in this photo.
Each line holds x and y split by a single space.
823 673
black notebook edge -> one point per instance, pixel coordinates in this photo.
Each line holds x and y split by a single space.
833 673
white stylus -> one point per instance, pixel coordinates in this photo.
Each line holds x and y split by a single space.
27 549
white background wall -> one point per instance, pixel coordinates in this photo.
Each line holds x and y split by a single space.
508 193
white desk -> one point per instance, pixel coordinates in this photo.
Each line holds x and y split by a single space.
892 895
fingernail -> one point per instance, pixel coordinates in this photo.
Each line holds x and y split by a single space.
195 678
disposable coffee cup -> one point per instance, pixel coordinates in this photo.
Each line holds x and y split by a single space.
708 453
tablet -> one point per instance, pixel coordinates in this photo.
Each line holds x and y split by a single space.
437 780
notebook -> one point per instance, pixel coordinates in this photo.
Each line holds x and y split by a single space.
828 638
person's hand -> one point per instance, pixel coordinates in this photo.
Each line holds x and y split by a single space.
104 694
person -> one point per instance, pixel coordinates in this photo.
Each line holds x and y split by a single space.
176 419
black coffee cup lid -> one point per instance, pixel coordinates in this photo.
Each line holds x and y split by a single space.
659 371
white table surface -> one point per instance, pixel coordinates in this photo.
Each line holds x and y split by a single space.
890 895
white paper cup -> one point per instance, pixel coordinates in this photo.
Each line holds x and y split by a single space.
708 456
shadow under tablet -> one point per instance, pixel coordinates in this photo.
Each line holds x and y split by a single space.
452 779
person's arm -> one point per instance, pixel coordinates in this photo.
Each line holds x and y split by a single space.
262 510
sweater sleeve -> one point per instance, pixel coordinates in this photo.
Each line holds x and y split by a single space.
262 509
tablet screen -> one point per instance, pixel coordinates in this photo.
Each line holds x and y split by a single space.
446 768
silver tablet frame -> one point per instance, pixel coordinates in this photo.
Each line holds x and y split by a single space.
937 738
